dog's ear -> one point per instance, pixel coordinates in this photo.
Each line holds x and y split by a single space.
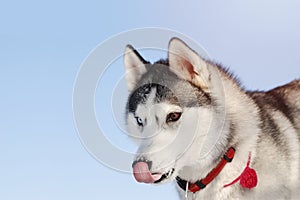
135 67
187 64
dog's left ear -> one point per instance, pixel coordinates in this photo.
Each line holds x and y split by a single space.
187 64
135 67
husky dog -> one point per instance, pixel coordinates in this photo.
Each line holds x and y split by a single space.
198 127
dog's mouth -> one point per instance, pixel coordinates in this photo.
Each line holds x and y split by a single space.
142 174
165 176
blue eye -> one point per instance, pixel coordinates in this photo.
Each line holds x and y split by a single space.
139 121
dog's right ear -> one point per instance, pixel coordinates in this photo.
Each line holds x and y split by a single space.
188 65
135 67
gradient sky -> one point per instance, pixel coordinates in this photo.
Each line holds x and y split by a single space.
42 46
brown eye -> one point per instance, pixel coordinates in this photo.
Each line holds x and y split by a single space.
173 117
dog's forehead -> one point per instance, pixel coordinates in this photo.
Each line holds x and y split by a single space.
162 85
150 94
159 73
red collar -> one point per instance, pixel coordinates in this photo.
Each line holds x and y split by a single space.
201 184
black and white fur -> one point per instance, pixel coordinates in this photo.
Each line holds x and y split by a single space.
215 114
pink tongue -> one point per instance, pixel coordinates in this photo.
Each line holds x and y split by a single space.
142 174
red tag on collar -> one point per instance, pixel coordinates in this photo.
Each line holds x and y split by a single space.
248 178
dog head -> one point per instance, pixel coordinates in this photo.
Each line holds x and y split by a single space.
169 111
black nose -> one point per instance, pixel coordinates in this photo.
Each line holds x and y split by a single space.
149 163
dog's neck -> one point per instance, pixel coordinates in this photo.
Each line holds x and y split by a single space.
201 184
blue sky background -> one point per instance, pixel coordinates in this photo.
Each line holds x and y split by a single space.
42 45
